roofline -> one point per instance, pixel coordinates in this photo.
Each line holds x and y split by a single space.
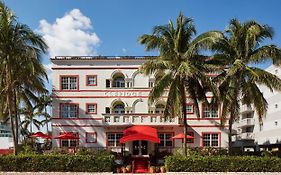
103 57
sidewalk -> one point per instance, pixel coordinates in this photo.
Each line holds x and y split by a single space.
169 173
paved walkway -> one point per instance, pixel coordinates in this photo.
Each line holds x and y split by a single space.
169 173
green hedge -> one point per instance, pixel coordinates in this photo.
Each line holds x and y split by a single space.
178 163
60 163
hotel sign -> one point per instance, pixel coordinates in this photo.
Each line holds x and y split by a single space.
123 94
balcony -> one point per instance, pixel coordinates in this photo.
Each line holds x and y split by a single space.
246 122
246 109
138 119
245 136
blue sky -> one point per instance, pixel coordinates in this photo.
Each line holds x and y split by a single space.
111 27
115 25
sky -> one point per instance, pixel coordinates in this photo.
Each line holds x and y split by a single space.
112 27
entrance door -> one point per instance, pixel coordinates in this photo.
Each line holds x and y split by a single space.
139 147
143 147
136 147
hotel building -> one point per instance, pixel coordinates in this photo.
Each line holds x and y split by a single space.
103 100
6 139
252 135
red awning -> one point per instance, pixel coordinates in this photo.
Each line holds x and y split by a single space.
181 136
41 135
67 136
140 133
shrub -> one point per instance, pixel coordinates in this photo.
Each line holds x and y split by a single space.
180 163
202 151
60 163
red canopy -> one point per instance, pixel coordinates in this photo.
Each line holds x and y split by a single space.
140 133
41 135
181 136
67 136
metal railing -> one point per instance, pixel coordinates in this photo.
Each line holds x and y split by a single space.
246 122
246 136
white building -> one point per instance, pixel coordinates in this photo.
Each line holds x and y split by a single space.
97 98
267 134
5 138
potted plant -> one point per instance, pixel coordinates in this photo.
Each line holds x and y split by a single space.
118 170
163 169
129 168
152 169
157 169
123 169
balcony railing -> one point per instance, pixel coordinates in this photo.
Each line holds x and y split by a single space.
246 136
246 108
138 119
246 122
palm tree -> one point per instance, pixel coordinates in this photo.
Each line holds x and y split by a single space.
238 50
180 68
45 100
30 118
21 70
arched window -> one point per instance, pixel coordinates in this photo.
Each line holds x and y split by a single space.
118 108
159 108
118 80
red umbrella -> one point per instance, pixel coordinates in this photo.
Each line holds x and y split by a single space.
181 136
67 136
41 135
49 136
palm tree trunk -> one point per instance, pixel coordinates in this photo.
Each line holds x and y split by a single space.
184 115
13 127
16 116
47 127
230 134
233 114
9 99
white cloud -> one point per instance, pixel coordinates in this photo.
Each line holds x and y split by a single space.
70 35
124 50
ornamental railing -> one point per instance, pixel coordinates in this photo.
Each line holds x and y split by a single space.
138 119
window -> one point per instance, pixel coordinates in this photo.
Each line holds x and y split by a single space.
151 84
107 83
107 110
159 109
91 108
119 109
165 140
211 139
70 143
113 139
5 133
189 109
91 80
210 111
69 82
119 82
91 137
276 105
68 110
